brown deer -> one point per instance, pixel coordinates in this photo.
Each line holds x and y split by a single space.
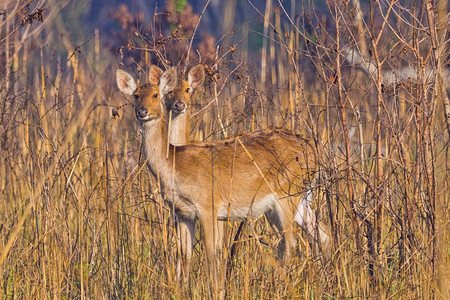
178 107
178 102
267 172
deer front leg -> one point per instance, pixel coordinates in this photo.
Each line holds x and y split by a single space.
186 235
213 235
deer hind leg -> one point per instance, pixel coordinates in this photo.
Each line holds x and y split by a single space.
306 218
186 235
280 220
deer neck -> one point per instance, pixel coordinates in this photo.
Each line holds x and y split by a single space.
155 140
180 129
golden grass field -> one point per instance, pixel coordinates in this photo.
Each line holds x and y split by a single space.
82 218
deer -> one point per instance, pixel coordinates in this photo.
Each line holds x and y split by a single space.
268 172
178 107
178 102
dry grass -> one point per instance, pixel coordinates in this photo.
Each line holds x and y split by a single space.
81 217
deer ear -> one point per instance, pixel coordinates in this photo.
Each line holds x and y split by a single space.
155 74
168 81
125 82
196 76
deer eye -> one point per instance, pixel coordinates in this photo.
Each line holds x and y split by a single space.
136 97
188 90
155 95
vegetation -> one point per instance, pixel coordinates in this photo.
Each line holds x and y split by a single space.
81 217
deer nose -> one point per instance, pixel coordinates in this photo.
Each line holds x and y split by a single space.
180 106
141 112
